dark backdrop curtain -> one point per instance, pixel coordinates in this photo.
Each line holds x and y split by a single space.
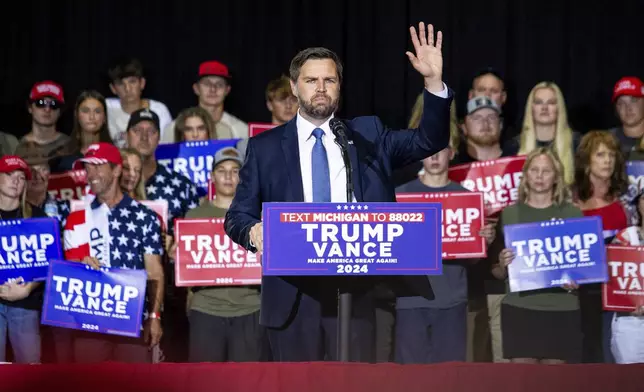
584 46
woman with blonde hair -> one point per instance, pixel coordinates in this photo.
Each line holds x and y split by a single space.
545 124
20 302
539 326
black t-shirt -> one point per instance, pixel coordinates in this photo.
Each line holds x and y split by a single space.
34 300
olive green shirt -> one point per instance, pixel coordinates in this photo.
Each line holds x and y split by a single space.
553 299
222 301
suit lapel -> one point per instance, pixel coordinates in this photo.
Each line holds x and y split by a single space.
291 151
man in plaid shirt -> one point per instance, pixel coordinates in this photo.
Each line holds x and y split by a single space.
115 231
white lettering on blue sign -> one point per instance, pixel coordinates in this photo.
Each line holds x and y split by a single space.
555 250
25 248
95 296
360 240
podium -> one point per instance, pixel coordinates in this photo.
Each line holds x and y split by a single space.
343 240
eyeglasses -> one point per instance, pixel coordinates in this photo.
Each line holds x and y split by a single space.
43 103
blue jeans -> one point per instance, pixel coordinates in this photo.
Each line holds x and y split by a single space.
426 335
23 327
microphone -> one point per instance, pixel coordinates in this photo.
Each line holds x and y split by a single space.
339 130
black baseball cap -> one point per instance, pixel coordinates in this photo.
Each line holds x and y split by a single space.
144 114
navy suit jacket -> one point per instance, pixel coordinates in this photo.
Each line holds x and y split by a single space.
271 173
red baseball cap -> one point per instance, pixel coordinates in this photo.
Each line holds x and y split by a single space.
629 85
100 154
11 163
47 88
213 68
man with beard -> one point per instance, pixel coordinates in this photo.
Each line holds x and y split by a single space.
299 162
482 132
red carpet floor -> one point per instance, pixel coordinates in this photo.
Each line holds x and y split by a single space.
320 377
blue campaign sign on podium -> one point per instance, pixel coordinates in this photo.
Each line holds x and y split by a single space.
551 253
331 239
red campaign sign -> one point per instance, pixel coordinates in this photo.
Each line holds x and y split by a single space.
206 256
158 206
462 219
624 291
69 185
257 128
497 179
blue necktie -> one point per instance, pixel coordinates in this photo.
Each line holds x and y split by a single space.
320 170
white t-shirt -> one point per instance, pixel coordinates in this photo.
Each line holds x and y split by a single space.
117 119
240 128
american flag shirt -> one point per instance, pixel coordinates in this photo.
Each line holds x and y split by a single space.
117 237
176 189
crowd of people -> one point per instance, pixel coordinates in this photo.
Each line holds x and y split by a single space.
473 317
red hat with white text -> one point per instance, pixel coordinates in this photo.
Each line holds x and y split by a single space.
11 163
100 154
47 89
629 85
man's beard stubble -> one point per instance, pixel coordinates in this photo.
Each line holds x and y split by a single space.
318 112
486 140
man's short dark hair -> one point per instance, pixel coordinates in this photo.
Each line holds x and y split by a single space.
313 54
488 71
124 69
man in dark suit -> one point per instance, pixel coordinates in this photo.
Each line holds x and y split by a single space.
299 162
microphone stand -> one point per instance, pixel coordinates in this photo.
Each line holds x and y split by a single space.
345 300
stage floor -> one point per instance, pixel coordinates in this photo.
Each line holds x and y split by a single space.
320 377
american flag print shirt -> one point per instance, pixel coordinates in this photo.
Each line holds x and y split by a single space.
117 237
176 189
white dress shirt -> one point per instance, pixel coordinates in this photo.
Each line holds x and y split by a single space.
337 172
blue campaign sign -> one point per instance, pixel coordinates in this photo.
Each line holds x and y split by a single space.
108 301
192 159
26 246
635 173
352 239
551 253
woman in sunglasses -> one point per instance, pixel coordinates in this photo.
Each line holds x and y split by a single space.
45 105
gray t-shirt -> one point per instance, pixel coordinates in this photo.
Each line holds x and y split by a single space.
450 288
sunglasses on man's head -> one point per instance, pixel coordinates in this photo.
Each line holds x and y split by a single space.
43 103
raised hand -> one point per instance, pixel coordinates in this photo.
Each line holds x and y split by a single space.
428 59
